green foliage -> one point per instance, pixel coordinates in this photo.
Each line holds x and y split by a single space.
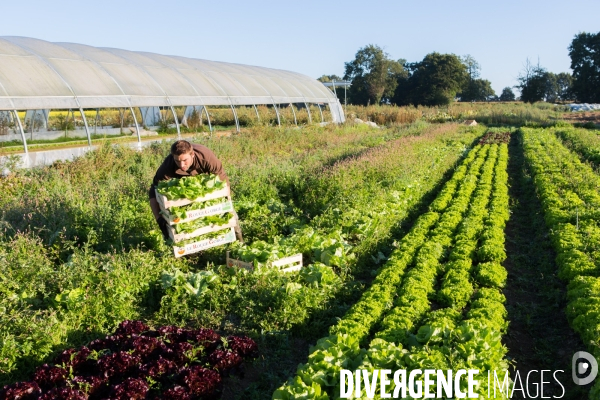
190 187
584 51
329 78
477 90
434 81
212 220
373 74
195 284
533 83
537 84
507 94
560 87
568 192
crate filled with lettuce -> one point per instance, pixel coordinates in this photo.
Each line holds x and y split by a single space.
263 254
199 212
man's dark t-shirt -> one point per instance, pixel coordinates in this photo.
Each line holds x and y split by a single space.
205 162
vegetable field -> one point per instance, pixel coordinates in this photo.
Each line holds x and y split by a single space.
425 245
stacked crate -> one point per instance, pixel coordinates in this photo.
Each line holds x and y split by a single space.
228 233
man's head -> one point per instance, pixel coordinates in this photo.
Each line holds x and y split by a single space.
183 154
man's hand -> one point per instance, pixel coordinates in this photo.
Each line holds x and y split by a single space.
164 227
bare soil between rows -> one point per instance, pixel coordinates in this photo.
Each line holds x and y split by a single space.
583 117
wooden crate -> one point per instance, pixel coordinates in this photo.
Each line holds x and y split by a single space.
226 206
286 264
178 237
165 203
227 237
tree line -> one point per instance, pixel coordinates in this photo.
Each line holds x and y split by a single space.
439 79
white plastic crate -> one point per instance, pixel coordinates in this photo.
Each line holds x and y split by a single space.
227 237
226 206
178 237
286 264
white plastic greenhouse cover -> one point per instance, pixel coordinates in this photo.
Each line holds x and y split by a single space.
35 74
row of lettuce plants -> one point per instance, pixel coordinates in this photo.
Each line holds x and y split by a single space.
585 142
319 377
419 285
568 190
452 338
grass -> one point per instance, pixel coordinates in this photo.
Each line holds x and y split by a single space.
514 114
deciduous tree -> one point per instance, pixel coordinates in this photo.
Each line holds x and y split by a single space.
329 78
585 63
434 81
374 76
507 94
477 90
533 82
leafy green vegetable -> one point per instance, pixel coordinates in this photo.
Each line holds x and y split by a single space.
181 211
195 284
212 220
190 187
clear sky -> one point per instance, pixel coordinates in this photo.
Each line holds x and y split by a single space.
317 37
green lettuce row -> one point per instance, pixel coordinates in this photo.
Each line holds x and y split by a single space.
446 195
570 202
419 284
445 340
342 348
491 252
361 317
566 190
359 320
583 141
584 297
569 190
456 288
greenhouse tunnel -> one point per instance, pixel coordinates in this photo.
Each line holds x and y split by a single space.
143 90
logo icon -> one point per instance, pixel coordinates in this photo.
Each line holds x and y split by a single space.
584 364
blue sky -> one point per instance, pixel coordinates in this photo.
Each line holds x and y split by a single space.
317 37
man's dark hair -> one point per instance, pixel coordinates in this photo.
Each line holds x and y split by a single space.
181 147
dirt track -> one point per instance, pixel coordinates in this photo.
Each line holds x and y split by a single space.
583 117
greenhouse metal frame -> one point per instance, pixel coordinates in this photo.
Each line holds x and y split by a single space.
37 76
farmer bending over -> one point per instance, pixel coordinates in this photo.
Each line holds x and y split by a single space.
187 159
